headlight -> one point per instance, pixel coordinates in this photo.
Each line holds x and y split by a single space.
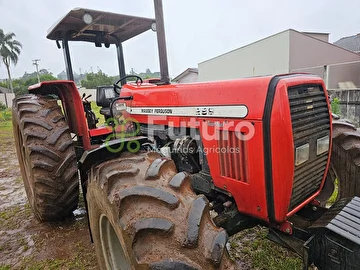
301 154
118 108
322 145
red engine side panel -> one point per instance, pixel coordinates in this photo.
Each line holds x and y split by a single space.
248 189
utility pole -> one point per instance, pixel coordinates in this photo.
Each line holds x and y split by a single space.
35 62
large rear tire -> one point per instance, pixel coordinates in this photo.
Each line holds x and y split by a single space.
345 162
144 215
345 158
46 157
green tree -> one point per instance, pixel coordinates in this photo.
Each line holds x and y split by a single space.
94 80
4 84
21 85
9 51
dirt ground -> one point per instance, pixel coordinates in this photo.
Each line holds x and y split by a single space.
26 243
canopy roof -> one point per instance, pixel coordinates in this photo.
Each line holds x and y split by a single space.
106 27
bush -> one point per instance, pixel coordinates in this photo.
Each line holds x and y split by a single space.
2 106
5 115
335 106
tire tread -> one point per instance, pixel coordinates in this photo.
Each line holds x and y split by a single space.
50 155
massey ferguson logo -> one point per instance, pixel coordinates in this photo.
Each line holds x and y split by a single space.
157 111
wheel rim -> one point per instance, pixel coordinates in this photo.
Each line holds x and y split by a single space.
114 254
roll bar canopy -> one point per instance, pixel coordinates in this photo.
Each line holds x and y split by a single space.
96 26
106 28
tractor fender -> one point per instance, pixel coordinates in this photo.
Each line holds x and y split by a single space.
71 104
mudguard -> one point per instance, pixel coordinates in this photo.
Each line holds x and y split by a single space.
72 105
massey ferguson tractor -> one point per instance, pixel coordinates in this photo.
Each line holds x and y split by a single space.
177 168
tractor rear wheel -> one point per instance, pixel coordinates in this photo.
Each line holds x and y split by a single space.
46 157
345 162
144 215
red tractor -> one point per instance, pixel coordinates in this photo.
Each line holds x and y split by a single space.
250 151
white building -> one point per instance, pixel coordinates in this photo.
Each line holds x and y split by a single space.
188 76
284 52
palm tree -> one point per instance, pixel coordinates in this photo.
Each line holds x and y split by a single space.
9 51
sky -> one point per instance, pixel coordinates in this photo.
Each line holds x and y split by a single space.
196 30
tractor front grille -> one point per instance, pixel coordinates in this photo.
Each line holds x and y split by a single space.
310 121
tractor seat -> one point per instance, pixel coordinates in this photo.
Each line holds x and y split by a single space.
105 111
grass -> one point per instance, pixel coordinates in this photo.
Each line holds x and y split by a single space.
6 144
6 133
9 217
6 126
333 198
5 115
45 264
252 247
96 109
82 258
81 253
9 213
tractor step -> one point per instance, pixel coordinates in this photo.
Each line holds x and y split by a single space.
335 240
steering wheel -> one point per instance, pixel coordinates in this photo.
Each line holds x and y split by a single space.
117 88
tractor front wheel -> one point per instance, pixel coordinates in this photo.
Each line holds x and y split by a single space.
144 215
46 157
